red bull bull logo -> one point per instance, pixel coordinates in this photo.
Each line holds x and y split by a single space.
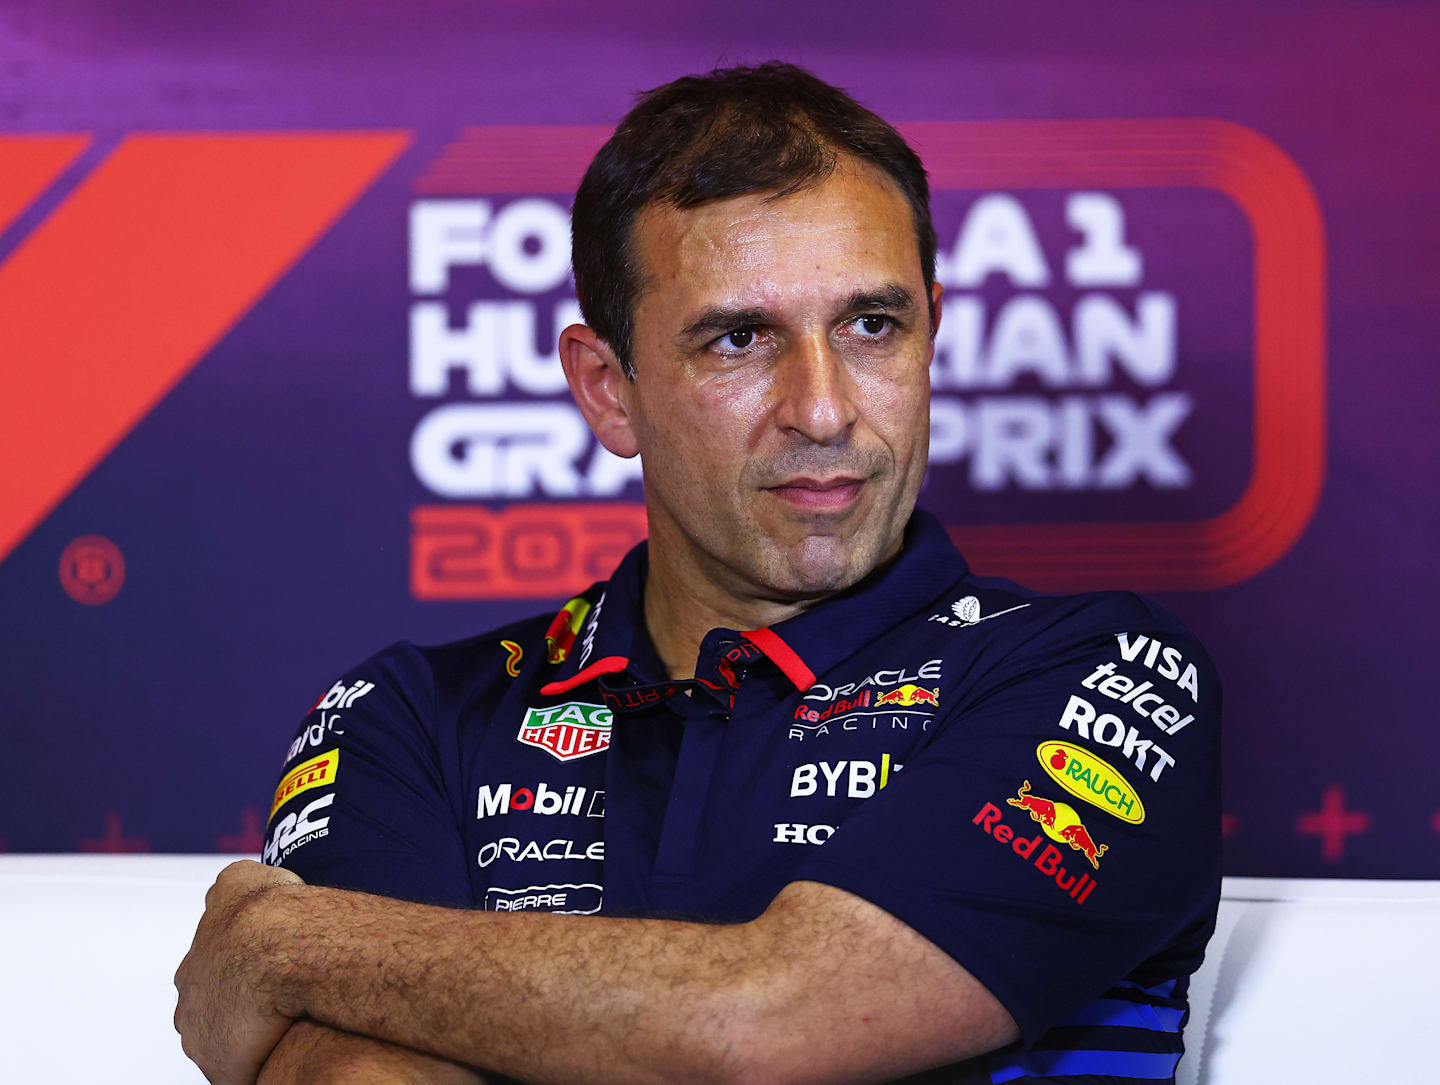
1047 860
909 694
1060 823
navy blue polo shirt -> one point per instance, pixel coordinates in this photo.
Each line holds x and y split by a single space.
1029 781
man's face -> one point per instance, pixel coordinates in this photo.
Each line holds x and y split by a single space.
782 394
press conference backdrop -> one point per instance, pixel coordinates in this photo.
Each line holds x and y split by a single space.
279 293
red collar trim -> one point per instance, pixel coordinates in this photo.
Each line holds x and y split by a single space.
783 656
608 665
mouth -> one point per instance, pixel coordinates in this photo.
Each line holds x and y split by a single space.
838 494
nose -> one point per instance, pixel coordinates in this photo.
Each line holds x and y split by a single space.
816 397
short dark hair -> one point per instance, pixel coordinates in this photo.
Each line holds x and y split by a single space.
771 128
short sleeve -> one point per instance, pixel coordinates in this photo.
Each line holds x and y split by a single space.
1062 827
361 803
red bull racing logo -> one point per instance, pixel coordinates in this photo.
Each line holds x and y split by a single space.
1060 823
909 694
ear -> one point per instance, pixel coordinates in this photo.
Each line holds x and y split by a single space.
601 390
936 290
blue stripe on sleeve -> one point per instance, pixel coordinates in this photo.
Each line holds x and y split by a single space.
1062 1063
1116 1011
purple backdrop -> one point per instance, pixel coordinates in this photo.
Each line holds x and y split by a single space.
1098 366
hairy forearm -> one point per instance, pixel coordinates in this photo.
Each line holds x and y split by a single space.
539 997
824 987
315 1054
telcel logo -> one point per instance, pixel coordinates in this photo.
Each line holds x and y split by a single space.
1092 779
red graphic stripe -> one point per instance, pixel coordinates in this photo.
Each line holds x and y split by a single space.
29 165
131 281
608 665
783 656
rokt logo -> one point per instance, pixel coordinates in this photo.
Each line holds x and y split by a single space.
1110 730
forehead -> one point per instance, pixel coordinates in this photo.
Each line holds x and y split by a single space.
853 225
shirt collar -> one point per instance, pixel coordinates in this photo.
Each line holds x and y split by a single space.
612 631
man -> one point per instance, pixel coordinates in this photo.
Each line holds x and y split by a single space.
793 795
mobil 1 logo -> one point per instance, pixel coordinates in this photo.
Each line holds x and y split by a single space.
495 799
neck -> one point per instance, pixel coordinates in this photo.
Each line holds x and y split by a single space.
679 612
688 593
685 599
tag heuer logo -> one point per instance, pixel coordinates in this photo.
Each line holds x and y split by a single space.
568 731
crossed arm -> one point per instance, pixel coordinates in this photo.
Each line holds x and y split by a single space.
823 986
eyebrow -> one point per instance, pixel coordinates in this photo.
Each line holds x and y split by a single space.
718 319
890 298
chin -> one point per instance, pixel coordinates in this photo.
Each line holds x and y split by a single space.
822 565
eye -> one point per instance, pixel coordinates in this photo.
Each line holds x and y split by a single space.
738 340
873 325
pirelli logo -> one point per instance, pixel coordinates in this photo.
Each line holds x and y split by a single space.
317 772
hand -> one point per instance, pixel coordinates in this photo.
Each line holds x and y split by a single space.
229 1015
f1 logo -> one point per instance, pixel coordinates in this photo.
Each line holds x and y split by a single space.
143 266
